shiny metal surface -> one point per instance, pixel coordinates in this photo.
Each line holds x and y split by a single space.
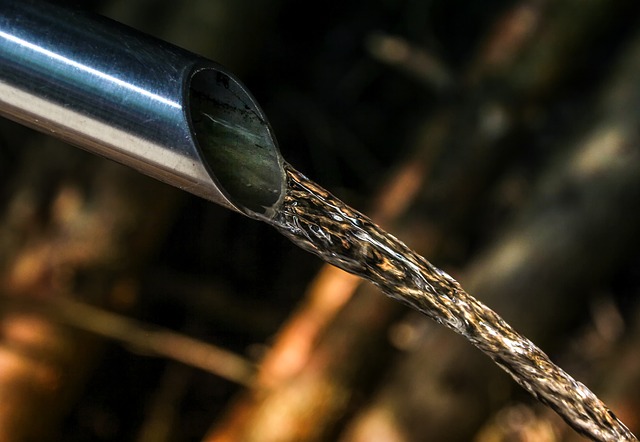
113 91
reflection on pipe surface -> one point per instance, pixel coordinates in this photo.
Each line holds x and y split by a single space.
126 96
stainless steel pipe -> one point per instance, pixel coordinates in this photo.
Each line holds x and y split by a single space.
162 110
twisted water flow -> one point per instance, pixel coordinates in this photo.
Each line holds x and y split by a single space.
320 223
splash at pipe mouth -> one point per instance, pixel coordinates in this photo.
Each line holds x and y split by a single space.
235 142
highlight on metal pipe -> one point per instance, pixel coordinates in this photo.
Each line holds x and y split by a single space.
162 110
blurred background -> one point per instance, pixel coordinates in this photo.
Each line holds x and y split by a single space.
498 138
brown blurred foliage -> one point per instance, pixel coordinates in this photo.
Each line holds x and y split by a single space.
500 139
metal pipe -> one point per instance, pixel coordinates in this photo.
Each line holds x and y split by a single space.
162 110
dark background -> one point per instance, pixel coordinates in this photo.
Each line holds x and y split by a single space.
349 119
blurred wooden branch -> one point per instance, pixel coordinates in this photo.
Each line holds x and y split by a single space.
80 234
416 62
143 338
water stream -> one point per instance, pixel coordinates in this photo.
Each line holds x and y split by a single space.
315 220
320 223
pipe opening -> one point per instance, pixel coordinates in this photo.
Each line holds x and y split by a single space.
235 142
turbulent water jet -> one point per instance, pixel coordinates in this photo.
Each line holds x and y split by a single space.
320 223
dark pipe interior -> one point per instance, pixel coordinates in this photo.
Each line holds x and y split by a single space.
235 141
